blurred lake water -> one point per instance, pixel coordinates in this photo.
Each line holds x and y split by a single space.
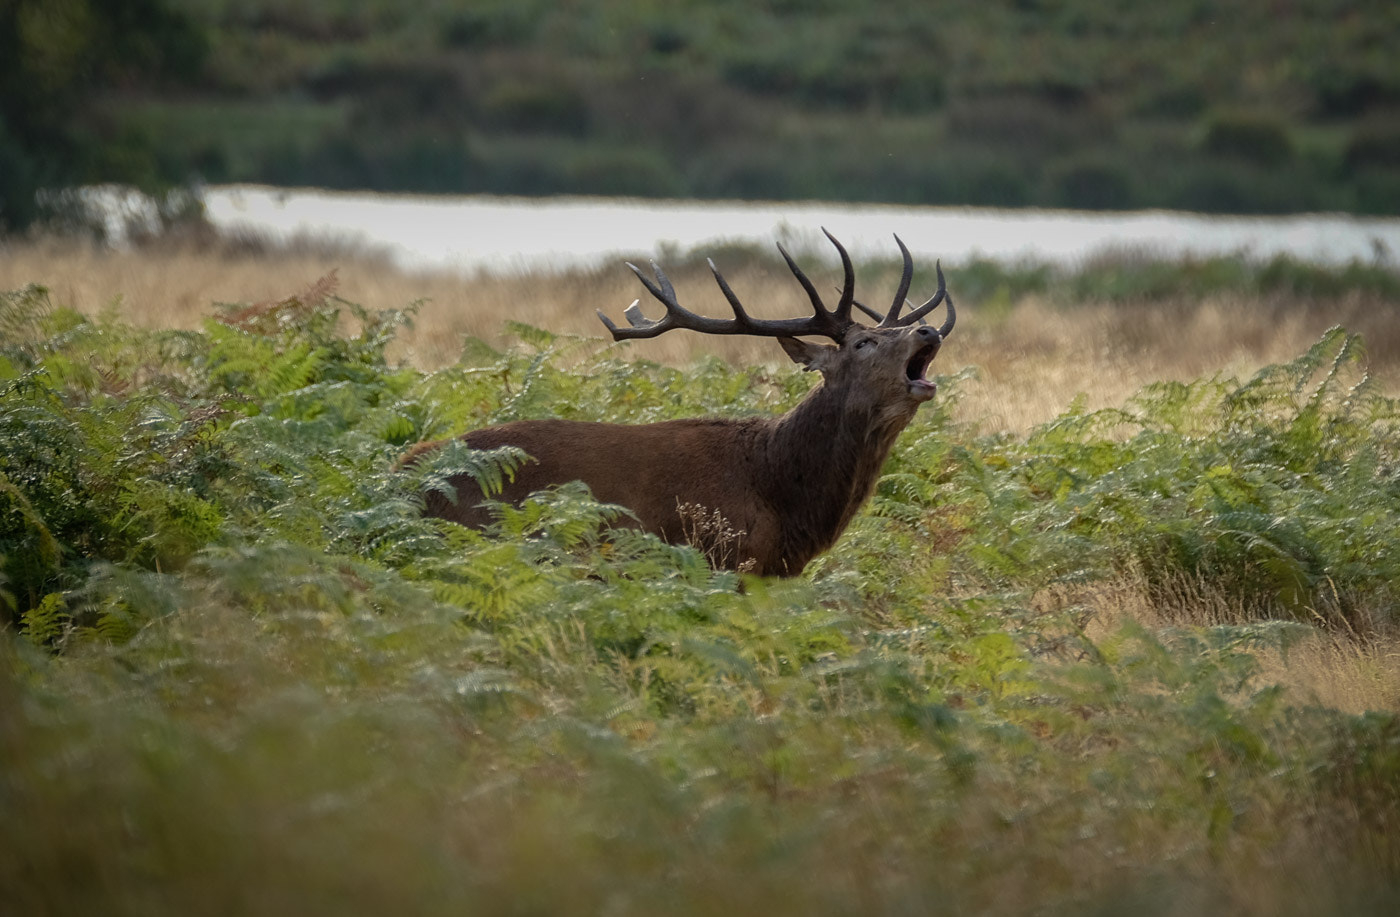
503 234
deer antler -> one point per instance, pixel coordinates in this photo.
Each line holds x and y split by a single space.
824 322
892 319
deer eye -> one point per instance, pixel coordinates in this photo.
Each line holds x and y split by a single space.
863 342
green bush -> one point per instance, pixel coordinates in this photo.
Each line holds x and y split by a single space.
241 650
147 460
624 172
1092 185
1350 87
487 25
1377 193
536 107
1247 487
1374 144
1258 139
1234 185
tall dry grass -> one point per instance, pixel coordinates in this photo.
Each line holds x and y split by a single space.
1335 666
1034 357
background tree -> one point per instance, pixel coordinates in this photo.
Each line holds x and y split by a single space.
61 63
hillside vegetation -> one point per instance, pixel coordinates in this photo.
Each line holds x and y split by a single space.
1251 106
1095 665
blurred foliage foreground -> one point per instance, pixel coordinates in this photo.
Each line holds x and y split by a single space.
243 675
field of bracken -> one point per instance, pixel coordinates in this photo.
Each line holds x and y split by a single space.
1118 632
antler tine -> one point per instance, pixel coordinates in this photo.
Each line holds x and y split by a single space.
643 327
612 329
920 318
668 291
659 292
634 314
817 306
677 316
947 327
867 310
822 323
905 278
863 307
941 295
848 283
738 307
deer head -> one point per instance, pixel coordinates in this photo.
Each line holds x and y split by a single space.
879 369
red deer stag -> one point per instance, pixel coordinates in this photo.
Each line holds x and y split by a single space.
782 488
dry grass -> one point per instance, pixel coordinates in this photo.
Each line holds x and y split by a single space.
1340 672
1033 357
1333 666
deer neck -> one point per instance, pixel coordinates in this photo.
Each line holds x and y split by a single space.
823 459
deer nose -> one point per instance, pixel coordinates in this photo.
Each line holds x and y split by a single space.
929 333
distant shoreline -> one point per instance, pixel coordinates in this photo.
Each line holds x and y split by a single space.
474 232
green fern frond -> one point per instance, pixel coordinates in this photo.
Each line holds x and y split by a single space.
48 621
490 468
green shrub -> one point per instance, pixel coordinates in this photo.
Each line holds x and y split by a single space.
1349 87
1378 193
1092 185
1374 144
487 25
1267 490
624 172
1235 185
1023 125
1258 139
532 107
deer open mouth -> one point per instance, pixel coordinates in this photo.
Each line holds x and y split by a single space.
921 388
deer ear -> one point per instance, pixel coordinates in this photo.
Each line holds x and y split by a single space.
811 356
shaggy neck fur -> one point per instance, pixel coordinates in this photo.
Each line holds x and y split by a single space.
823 458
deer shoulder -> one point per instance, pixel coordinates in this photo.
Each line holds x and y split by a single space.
765 494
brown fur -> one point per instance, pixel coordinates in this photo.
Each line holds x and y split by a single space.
789 484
